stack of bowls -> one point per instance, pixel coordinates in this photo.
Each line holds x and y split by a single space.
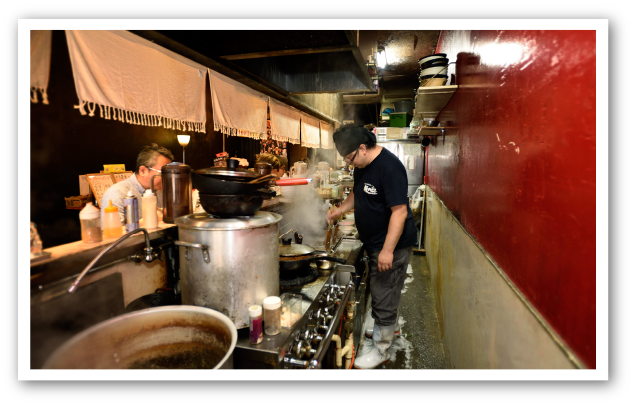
433 70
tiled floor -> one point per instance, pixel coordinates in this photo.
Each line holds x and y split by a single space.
420 345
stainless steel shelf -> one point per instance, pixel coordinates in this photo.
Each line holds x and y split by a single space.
434 130
431 100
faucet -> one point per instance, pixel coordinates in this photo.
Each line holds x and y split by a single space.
148 255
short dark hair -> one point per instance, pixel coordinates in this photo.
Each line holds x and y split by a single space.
368 140
149 154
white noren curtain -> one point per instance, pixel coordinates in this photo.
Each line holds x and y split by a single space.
237 109
133 80
285 122
310 132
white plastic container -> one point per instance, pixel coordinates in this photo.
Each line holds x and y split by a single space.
90 218
272 315
150 217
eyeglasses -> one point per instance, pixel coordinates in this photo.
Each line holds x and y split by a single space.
352 160
153 169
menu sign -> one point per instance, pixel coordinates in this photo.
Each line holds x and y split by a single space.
99 184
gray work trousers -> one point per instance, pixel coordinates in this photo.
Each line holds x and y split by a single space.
386 287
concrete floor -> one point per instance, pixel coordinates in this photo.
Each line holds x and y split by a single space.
420 345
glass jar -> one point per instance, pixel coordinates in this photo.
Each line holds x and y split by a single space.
272 315
291 309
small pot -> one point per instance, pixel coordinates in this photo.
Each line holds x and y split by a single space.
263 168
323 264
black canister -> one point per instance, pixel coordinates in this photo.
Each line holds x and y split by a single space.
176 191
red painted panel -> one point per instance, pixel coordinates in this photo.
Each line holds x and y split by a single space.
519 172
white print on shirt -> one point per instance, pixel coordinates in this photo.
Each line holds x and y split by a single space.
370 189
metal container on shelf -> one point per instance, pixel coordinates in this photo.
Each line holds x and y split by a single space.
229 264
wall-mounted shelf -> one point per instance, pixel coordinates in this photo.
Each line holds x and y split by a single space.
434 130
431 100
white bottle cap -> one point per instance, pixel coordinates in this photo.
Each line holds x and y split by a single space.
255 311
148 193
89 212
129 194
272 302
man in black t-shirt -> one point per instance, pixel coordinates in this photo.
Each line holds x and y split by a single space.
385 226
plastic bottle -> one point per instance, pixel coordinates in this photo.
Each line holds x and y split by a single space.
112 227
272 315
131 212
255 328
90 218
150 218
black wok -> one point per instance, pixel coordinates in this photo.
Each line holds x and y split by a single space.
294 264
235 205
212 185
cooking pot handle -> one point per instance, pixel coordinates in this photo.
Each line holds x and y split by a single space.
329 258
203 247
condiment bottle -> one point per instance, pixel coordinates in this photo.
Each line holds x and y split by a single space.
272 315
90 218
255 328
131 212
112 227
150 218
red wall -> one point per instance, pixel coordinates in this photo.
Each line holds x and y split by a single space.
519 172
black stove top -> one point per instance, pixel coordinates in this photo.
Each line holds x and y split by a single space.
295 279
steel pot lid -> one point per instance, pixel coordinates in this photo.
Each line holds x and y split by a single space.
295 250
228 173
204 221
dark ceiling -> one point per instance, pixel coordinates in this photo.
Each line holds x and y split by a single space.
291 62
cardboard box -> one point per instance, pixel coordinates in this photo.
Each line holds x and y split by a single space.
77 202
392 133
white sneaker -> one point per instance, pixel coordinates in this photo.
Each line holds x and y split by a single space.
379 354
370 330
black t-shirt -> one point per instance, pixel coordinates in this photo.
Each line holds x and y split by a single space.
378 187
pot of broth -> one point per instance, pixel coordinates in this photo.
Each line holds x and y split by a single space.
168 337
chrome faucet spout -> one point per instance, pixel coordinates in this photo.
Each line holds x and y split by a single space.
148 248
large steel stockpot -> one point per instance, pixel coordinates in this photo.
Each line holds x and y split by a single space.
229 264
169 337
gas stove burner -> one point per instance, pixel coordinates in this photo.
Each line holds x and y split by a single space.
298 279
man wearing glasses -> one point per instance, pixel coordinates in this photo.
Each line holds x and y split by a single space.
148 164
385 226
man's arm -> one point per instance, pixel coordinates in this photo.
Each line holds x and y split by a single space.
394 231
346 206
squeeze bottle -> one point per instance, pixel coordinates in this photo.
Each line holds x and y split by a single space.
150 218
112 226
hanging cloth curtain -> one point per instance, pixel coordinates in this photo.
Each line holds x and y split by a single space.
310 132
285 122
133 80
327 130
40 63
237 109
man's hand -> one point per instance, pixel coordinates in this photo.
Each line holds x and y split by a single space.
332 214
385 260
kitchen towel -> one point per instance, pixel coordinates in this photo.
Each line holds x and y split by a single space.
310 131
136 81
40 63
326 135
237 109
285 122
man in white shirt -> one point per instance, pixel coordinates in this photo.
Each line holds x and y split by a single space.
148 164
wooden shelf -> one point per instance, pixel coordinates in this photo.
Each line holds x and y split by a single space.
431 100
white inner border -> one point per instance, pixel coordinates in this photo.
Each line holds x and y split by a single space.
602 323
